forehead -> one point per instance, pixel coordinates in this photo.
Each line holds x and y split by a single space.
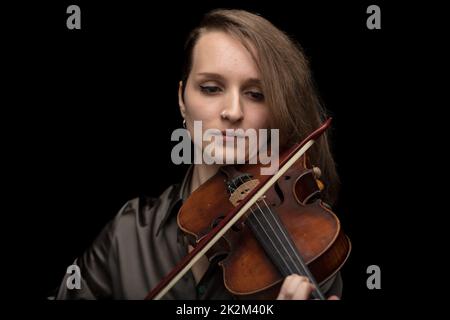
219 52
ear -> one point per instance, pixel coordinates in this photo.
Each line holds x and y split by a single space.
180 99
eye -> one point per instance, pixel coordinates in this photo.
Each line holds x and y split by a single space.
210 89
254 95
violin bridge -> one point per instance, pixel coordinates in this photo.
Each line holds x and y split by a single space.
242 191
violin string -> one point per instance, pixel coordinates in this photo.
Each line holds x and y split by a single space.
301 264
280 240
254 216
284 235
304 267
277 235
258 227
290 253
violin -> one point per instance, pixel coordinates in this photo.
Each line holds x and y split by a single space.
263 227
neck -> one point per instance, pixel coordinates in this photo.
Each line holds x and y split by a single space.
201 173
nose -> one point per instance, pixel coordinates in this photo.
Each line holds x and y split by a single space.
233 110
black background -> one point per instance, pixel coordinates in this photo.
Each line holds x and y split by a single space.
93 111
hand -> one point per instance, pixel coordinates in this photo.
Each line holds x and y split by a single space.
297 287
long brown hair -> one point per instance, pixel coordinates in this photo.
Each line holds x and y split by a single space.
287 84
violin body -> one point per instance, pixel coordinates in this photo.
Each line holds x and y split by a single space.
260 250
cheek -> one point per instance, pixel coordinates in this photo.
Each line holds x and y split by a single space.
259 118
199 107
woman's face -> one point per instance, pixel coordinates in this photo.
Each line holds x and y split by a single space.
223 89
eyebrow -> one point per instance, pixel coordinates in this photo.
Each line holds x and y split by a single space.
249 81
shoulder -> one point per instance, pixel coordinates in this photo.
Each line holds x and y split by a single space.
146 212
138 219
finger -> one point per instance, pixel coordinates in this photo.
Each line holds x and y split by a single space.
296 282
303 291
290 285
333 298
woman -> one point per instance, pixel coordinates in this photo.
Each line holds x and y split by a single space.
240 72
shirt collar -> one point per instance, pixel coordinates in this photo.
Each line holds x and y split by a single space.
179 194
